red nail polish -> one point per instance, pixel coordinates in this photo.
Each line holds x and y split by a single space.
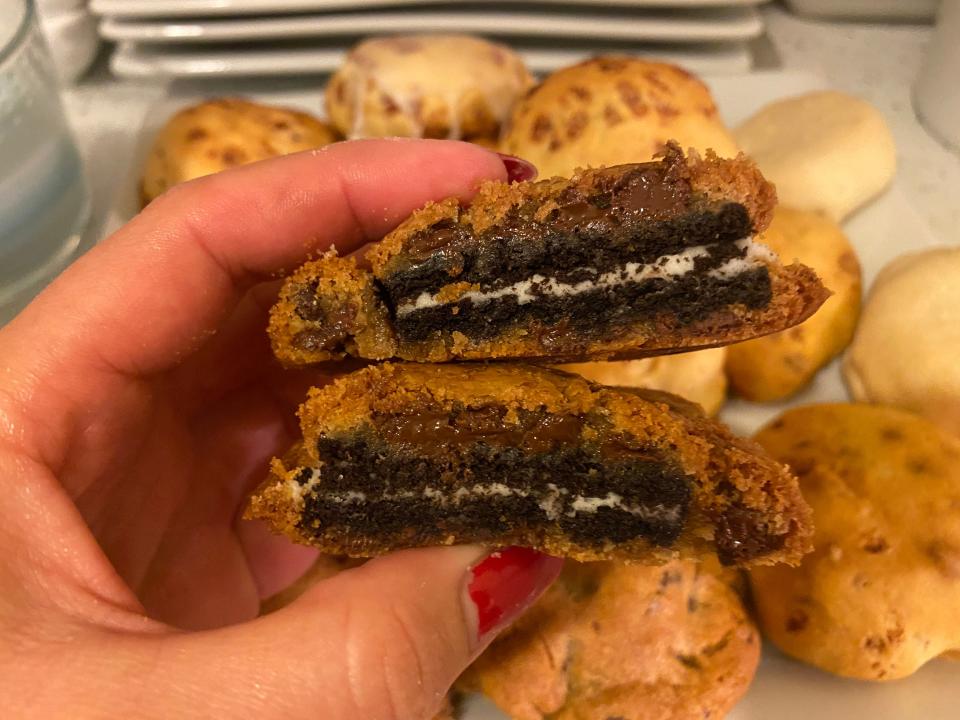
507 582
518 169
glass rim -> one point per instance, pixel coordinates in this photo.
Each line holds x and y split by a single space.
19 34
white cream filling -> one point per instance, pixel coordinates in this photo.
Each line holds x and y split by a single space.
666 267
550 501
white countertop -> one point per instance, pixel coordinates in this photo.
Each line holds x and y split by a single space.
877 62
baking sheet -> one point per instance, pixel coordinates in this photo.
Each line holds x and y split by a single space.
783 689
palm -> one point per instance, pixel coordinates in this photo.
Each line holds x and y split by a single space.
141 383
160 475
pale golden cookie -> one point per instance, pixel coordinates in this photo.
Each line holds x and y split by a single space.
777 366
879 595
220 134
695 376
906 348
825 151
612 110
624 641
437 86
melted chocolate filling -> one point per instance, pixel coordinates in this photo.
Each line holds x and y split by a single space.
329 327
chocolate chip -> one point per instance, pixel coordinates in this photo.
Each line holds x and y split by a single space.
796 621
611 115
670 577
632 99
875 545
576 125
891 434
234 156
541 128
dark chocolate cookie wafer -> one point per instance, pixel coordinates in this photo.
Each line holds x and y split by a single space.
409 455
627 261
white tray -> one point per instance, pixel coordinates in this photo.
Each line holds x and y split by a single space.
133 60
209 8
783 689
910 10
713 24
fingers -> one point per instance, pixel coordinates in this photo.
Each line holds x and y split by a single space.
384 641
152 292
147 297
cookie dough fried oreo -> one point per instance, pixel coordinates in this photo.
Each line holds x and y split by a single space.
628 261
411 455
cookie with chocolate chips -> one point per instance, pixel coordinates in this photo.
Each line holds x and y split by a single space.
624 641
223 133
878 596
611 110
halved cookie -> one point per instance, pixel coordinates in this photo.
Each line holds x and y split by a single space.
410 455
622 262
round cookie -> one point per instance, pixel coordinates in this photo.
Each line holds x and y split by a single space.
612 110
878 596
696 376
435 86
777 366
906 347
825 151
220 134
610 640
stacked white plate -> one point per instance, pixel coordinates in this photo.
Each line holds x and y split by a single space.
180 38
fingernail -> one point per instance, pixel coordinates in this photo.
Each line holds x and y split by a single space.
518 169
506 583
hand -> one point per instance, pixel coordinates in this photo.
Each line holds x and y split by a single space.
139 404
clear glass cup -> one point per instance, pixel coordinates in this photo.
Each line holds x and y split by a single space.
44 199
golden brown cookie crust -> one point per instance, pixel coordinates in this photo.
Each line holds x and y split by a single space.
878 596
608 640
227 132
611 110
737 491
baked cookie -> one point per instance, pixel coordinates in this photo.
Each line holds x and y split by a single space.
410 455
220 134
825 151
435 86
906 347
878 596
694 376
777 366
623 262
624 641
613 110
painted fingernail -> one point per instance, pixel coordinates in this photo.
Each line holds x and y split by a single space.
518 169
506 582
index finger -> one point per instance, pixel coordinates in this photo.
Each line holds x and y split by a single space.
151 293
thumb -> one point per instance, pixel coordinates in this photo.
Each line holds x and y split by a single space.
382 641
